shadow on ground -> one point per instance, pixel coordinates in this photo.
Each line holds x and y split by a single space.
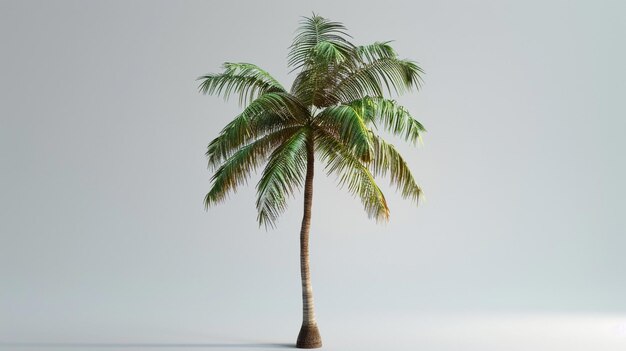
142 345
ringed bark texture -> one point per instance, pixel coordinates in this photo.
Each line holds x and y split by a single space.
309 336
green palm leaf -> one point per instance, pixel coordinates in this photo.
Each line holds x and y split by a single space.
319 39
387 160
238 167
352 174
391 116
245 79
373 78
264 115
346 123
318 48
282 175
375 51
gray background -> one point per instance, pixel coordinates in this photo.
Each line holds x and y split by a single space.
103 235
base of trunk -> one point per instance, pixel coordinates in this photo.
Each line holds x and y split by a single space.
309 337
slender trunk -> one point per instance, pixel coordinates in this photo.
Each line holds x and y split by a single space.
309 336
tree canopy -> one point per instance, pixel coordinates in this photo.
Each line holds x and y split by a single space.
338 101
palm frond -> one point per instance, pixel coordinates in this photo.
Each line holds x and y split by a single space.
308 83
346 123
265 114
375 51
245 79
387 160
283 174
238 167
319 47
318 39
392 116
352 174
383 74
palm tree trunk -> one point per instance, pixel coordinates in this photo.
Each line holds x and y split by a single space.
309 336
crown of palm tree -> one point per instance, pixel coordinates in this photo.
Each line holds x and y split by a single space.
334 106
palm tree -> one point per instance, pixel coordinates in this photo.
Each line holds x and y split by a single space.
332 111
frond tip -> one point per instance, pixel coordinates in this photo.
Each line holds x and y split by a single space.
244 79
387 160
